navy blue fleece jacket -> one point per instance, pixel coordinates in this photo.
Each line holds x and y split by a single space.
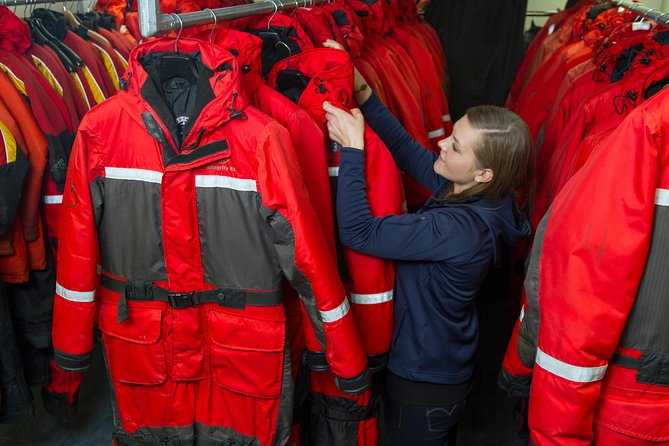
442 255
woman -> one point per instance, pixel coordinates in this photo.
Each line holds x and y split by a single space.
442 252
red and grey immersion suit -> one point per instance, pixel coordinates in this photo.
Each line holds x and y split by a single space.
310 78
196 222
603 345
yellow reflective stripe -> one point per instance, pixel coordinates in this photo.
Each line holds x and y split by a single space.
48 75
80 89
9 142
98 95
109 65
18 83
122 59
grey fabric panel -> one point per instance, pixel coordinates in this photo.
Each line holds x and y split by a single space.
130 232
221 435
237 250
529 327
647 326
98 198
285 417
284 243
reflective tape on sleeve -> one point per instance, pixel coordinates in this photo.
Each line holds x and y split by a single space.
370 299
446 118
74 296
120 173
224 182
522 313
662 197
52 199
568 371
336 313
333 171
436 133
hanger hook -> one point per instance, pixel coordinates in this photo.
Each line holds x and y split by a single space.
290 52
282 5
213 14
181 28
276 9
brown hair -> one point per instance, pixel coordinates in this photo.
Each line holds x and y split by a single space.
505 146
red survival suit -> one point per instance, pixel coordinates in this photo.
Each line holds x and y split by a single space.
310 78
213 216
603 345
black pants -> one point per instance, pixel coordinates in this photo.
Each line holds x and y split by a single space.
421 425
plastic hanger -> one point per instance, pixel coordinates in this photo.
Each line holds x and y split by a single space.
177 64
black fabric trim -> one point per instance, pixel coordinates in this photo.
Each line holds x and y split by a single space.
12 177
132 440
315 361
57 404
356 385
662 37
153 128
654 369
59 147
625 361
514 386
342 409
72 363
377 363
201 152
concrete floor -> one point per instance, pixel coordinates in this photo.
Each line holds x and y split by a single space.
489 419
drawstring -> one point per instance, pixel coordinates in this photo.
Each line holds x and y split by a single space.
234 114
624 99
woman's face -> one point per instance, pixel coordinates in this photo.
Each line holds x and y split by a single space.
457 162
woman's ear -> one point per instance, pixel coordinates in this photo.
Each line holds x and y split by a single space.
484 176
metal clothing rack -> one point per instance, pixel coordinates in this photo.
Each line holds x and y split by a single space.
153 22
29 2
541 13
659 17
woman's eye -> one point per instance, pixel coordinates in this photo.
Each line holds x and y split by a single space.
455 149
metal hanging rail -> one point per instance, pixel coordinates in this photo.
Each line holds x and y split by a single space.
153 22
29 2
541 13
659 17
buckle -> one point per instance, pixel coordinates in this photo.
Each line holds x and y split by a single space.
183 300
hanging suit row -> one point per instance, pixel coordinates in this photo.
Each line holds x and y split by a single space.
45 90
578 349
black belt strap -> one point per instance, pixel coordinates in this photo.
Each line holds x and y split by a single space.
225 297
625 361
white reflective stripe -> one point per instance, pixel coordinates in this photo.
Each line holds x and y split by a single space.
336 313
522 313
123 61
53 77
75 296
226 182
436 133
568 371
333 171
368 299
121 173
52 199
446 118
104 52
662 197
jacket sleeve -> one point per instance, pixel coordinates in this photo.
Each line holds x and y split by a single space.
13 170
305 257
427 236
409 155
74 304
594 252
